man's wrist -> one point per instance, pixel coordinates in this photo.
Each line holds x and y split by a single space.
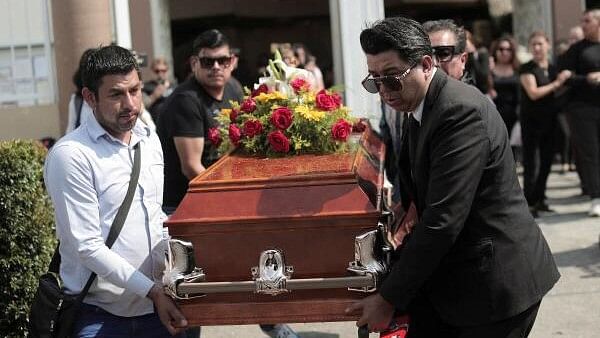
154 292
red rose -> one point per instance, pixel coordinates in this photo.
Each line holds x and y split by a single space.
248 106
261 89
214 136
359 126
233 115
282 118
252 128
340 130
299 84
235 134
279 142
328 102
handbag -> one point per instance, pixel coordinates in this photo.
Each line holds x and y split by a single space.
53 312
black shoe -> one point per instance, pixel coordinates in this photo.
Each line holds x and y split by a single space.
543 207
534 212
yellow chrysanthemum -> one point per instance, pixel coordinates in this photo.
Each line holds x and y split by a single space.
308 98
266 97
307 113
226 111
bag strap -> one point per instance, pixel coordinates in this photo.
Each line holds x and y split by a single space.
117 224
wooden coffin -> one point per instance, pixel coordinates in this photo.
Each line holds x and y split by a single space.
310 207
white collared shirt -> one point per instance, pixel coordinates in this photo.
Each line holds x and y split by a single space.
87 174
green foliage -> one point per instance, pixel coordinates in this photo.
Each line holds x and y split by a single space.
27 238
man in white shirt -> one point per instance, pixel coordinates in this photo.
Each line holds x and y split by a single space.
87 175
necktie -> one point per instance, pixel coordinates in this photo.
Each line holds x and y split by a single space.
413 136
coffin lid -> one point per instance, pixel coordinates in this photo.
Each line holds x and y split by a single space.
240 188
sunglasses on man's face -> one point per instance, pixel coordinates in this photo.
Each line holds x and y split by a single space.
208 63
444 53
392 82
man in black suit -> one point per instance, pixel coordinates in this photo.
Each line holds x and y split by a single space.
475 263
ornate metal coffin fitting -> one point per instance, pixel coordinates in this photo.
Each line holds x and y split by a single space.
366 261
271 274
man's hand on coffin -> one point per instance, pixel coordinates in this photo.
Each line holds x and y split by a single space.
375 312
167 311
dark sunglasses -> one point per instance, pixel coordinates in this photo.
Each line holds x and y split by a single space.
444 53
504 49
393 82
208 63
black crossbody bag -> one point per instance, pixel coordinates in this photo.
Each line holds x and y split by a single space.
53 312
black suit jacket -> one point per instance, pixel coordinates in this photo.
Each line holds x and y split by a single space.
476 252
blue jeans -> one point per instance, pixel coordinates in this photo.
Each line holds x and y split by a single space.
95 322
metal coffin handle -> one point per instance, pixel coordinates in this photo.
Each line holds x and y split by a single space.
273 277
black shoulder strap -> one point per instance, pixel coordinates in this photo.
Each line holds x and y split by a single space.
117 224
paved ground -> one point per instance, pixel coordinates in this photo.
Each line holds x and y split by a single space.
571 309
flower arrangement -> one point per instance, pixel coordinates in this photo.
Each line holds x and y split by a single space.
283 116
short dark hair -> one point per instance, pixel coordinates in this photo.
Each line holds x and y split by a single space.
108 60
401 34
447 25
212 38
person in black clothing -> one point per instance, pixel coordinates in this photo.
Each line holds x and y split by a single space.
583 59
475 263
448 42
539 111
188 114
478 63
505 91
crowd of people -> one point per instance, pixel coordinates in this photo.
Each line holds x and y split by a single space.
455 116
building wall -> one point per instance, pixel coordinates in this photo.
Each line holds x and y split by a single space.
32 122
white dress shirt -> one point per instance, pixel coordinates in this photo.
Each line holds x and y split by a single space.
87 173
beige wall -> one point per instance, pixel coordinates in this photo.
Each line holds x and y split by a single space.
30 122
567 14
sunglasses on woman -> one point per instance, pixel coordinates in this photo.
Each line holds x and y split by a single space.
392 82
208 63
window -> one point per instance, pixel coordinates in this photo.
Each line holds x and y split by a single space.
26 68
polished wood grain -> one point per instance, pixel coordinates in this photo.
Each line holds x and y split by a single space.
310 207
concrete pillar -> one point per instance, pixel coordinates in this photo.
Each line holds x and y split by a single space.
122 23
348 19
78 25
529 16
141 32
161 31
151 32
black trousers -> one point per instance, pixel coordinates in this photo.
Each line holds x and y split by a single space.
425 322
585 121
537 133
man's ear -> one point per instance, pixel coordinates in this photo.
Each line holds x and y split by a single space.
427 64
463 58
193 61
89 97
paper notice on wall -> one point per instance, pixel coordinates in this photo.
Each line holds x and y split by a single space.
22 69
40 66
24 87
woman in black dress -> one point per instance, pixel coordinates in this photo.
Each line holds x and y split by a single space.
505 89
539 80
